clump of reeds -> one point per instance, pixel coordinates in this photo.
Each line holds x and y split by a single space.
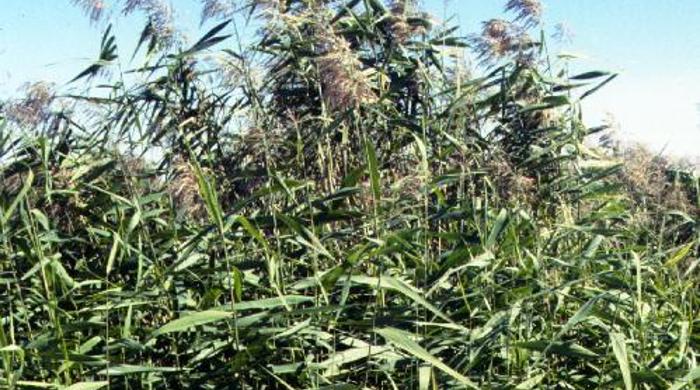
647 177
461 235
510 183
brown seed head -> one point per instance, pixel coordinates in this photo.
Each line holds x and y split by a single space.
345 84
160 15
184 190
496 29
527 11
34 107
94 9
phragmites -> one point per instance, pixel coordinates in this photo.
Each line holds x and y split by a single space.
496 29
496 39
509 183
159 13
212 9
644 174
345 84
221 9
11 184
399 26
400 29
94 9
235 72
34 108
528 12
563 33
160 17
184 191
651 181
499 39
66 203
256 143
398 7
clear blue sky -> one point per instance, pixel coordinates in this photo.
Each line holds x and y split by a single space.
654 44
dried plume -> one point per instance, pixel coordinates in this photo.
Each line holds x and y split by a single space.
509 182
645 175
34 108
528 12
160 15
184 190
221 9
499 39
94 9
400 26
213 9
345 84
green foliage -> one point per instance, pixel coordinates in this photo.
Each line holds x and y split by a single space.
365 215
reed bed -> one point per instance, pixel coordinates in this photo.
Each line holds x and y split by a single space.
343 204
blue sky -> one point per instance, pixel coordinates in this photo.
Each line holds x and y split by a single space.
655 45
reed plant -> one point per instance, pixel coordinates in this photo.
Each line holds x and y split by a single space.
343 204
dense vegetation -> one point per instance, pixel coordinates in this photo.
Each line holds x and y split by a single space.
343 204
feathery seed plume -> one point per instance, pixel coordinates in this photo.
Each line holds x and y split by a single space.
34 107
160 15
94 9
527 11
345 84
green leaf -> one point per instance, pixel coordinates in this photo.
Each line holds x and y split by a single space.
403 340
531 383
191 320
424 374
569 349
590 75
581 314
127 369
20 196
209 39
620 350
92 170
36 384
402 287
112 253
87 385
252 231
108 53
593 246
547 103
207 189
687 380
134 221
597 87
339 359
189 261
373 167
268 303
497 229
679 255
